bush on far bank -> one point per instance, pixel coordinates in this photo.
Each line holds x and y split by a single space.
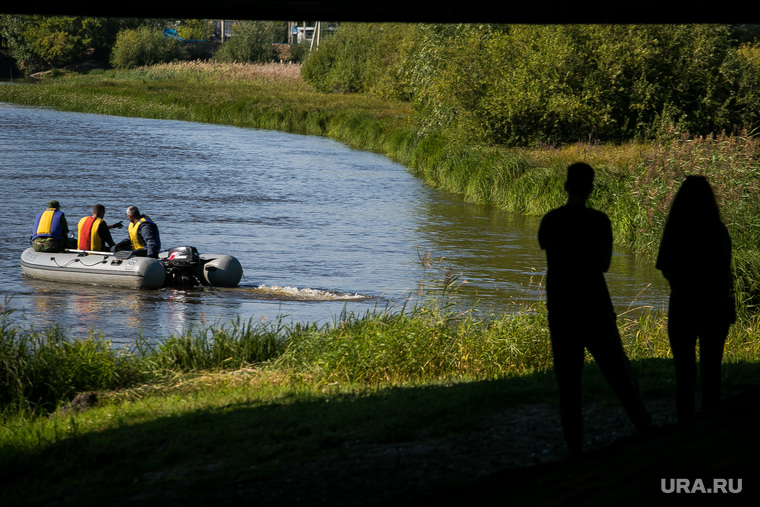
144 46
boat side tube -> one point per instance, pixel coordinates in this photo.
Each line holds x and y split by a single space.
99 268
222 270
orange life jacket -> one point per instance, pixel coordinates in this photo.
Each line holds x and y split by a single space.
89 239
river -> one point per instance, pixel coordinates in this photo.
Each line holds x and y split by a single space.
319 228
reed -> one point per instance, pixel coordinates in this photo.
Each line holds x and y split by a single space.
421 345
40 369
432 342
205 71
732 165
635 185
230 346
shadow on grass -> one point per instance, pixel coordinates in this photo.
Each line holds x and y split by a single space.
393 446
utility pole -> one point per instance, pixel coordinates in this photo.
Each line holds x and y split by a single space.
315 36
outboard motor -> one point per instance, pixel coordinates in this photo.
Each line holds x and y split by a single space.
186 268
183 256
182 266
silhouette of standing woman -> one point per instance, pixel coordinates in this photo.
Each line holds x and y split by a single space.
578 244
695 257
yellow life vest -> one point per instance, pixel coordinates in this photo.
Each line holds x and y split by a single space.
48 224
89 239
137 241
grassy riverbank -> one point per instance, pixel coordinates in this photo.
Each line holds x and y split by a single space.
243 410
44 370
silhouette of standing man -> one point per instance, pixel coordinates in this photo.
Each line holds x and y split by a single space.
578 244
695 257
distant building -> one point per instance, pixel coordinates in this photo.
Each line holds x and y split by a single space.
223 28
298 31
308 31
302 33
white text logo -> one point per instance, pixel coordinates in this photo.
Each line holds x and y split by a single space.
699 486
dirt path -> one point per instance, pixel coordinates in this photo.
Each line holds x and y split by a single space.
630 470
364 474
518 458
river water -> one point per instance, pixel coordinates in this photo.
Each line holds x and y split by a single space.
319 228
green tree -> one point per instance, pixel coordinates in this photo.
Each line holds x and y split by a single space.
195 29
448 77
387 72
144 46
531 84
659 75
252 41
40 42
742 70
527 84
339 63
364 58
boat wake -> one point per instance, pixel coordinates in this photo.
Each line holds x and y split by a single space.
304 294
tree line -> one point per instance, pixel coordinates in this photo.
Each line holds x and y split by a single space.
37 43
529 85
512 85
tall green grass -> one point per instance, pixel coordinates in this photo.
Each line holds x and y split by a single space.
434 342
231 346
39 369
420 345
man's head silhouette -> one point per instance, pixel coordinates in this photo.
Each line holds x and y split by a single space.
580 179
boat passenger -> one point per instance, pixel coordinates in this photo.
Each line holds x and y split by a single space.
50 233
143 235
93 232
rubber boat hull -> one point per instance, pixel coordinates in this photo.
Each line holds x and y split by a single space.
104 268
94 268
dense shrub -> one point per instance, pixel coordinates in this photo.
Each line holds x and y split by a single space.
39 43
532 84
361 58
252 42
522 85
195 29
144 46
742 68
339 64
